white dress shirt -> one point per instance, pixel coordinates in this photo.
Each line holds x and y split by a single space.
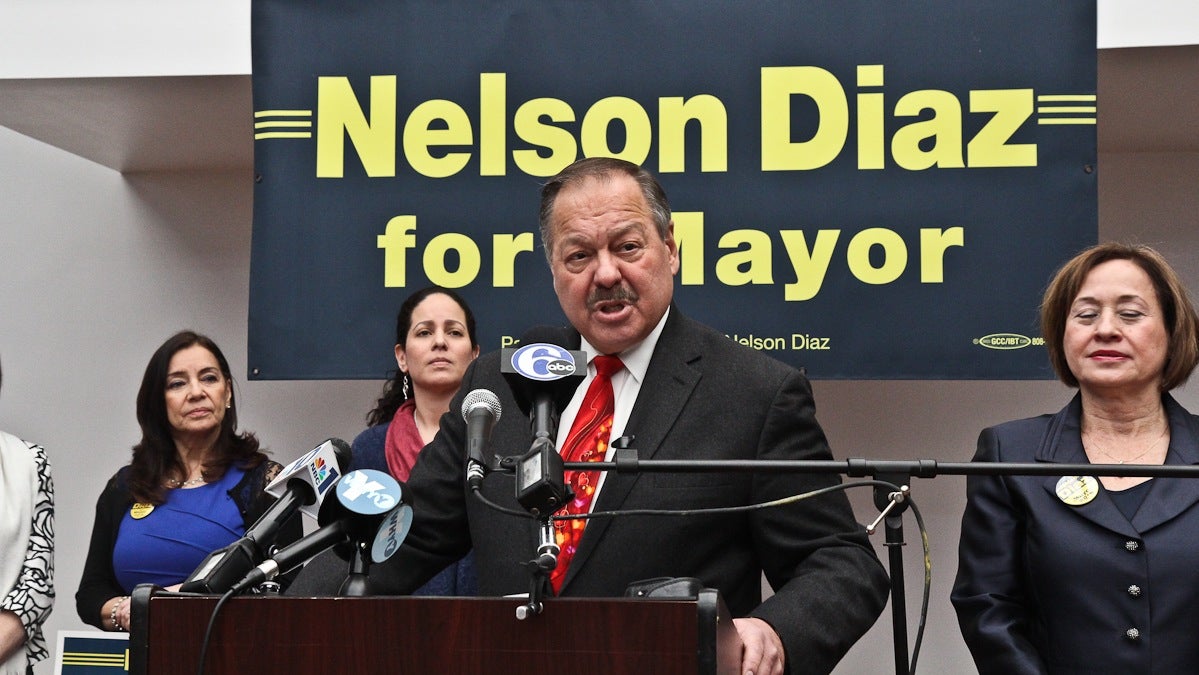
626 384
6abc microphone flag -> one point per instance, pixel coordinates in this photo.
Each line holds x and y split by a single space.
543 377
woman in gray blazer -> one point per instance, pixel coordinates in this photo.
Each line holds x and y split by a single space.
1083 574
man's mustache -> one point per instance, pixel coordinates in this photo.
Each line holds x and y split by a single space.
616 293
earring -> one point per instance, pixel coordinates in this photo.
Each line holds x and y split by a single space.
229 405
405 385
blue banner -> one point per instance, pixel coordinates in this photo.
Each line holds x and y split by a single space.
91 653
867 189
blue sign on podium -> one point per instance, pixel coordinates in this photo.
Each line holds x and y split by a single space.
91 653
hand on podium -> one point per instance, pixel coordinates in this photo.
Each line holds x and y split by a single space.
762 650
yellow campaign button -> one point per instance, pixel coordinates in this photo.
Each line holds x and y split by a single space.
1077 490
139 510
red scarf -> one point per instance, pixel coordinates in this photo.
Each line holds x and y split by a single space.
403 441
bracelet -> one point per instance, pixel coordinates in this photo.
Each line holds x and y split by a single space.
112 615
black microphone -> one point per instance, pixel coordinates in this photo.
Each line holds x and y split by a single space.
303 483
543 372
481 410
543 375
367 509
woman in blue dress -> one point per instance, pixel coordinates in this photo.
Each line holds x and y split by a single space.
195 484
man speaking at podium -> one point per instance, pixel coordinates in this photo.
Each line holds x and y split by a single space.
679 390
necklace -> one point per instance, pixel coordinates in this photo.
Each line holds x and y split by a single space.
1130 460
173 483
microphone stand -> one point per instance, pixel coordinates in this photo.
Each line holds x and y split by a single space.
357 581
540 568
891 504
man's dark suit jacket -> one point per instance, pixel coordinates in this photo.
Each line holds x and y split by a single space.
1046 587
704 397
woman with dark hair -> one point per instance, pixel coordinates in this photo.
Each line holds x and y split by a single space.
435 342
1082 574
27 558
194 485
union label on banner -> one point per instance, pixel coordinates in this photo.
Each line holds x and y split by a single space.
866 189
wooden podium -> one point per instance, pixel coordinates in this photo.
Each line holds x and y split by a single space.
399 635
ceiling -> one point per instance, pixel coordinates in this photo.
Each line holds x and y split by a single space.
138 124
1148 102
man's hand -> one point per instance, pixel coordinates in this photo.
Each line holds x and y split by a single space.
762 650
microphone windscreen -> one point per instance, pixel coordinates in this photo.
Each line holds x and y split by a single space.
482 397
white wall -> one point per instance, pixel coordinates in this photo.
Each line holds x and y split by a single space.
130 38
97 269
124 38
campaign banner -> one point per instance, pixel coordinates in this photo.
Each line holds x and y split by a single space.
863 188
91 652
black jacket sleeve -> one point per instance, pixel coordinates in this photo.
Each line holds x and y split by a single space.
99 582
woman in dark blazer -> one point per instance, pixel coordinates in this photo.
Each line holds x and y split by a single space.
1078 574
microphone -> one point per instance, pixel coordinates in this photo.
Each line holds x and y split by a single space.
543 375
546 368
300 484
367 507
481 410
315 472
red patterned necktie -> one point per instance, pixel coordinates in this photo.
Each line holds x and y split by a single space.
586 442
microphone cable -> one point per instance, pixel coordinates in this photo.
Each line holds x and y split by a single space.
784 501
208 631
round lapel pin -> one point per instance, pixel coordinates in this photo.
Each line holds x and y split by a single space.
140 510
1077 490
